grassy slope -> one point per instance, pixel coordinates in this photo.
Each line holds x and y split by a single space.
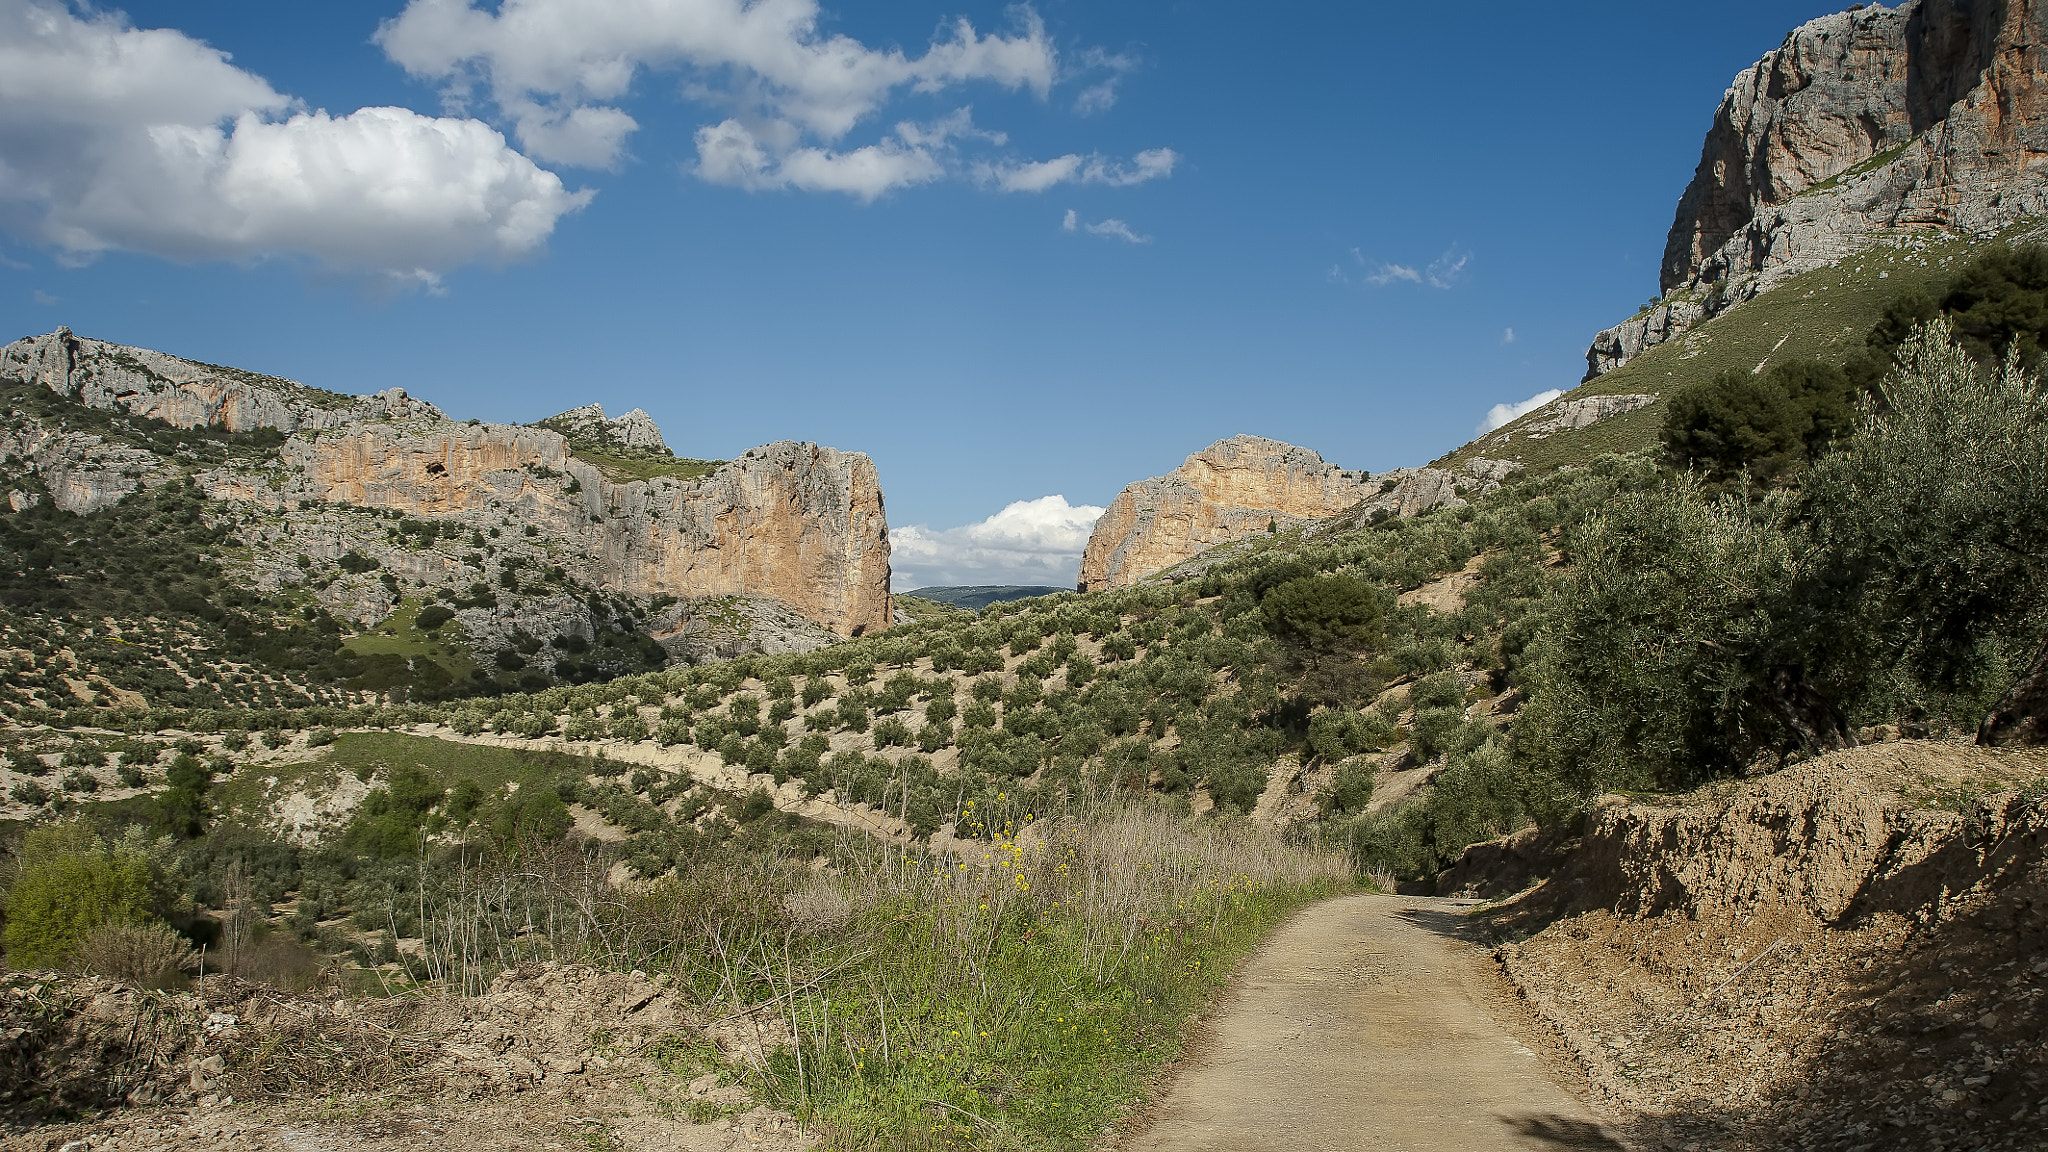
399 635
1822 314
624 469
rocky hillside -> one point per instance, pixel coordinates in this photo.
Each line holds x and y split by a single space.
1925 118
583 533
1872 154
1245 485
633 432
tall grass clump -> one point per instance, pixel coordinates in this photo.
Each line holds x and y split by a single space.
1016 988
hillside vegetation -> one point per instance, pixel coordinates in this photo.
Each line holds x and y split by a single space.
981 867
1821 315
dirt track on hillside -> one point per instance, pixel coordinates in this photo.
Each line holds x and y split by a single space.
1366 1022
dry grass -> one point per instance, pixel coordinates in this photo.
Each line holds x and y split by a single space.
146 955
1017 988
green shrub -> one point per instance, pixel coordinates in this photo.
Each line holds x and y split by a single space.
534 812
1653 645
391 819
1336 733
29 792
69 883
1931 580
891 731
1350 788
1766 425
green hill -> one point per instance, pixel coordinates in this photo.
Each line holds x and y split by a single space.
1823 314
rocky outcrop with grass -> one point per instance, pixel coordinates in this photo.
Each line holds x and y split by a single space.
188 393
1244 486
1868 122
636 431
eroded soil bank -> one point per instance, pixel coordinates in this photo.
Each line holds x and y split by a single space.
1849 954
555 1056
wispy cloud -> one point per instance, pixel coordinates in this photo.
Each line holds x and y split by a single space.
1118 230
1446 271
1111 228
1503 414
1100 96
43 298
1507 335
559 69
1028 542
1074 168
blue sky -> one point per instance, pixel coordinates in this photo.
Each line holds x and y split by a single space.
1043 252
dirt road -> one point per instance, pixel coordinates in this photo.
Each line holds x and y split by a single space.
1364 1023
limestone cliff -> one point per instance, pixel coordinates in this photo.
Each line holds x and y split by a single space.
79 472
1929 116
799 522
796 522
1235 488
187 393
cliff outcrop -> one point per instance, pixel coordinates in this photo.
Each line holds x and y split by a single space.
189 394
79 472
1928 116
636 431
1238 487
799 522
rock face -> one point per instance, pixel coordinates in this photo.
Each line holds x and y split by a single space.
188 394
635 431
81 472
1584 412
1235 488
798 522
1931 116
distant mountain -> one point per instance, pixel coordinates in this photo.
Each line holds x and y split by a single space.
317 546
981 597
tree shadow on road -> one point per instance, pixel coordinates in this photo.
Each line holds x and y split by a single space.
1554 1131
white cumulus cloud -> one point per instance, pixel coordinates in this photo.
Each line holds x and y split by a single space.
1503 414
1029 542
545 62
730 153
790 92
114 137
